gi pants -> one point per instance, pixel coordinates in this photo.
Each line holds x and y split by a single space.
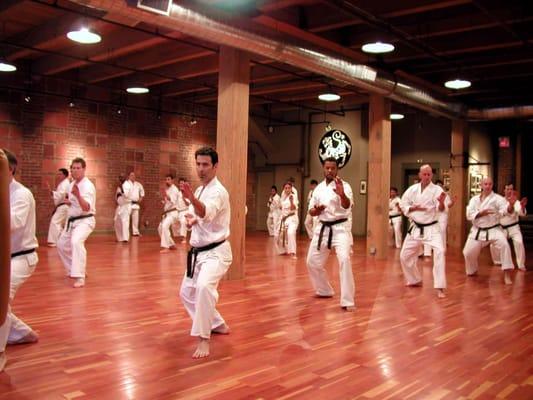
443 225
14 329
473 247
272 223
179 226
164 229
71 246
515 235
199 294
57 223
121 220
134 212
290 225
411 248
395 232
316 259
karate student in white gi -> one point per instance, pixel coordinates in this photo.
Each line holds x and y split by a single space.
210 255
60 214
310 221
179 227
443 220
134 192
395 219
421 203
332 203
285 234
23 258
511 228
80 223
122 212
274 211
485 211
170 213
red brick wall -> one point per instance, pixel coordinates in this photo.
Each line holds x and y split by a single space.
46 135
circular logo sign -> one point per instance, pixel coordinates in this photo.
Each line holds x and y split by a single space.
335 143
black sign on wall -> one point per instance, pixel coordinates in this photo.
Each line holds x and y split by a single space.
335 143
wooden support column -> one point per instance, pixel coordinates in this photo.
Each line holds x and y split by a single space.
232 144
458 184
379 164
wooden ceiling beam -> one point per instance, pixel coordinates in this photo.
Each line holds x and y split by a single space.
267 6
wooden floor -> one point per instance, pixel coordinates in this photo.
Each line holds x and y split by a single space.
126 335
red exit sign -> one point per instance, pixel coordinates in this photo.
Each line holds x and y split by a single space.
504 141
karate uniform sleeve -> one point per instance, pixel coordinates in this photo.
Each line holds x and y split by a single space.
141 190
90 197
349 193
20 210
213 204
471 209
518 209
406 202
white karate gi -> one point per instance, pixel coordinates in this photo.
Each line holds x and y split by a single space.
325 195
122 216
310 222
179 227
134 192
395 223
22 205
71 244
59 217
442 217
480 237
274 213
199 294
285 233
418 236
512 231
169 218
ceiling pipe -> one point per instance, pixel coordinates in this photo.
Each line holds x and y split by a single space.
194 24
489 114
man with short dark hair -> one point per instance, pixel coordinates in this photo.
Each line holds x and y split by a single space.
395 218
134 192
210 255
310 221
80 223
332 202
60 214
23 258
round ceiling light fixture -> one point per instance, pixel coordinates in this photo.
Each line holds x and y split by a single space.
397 116
329 96
6 66
377 48
137 90
458 84
84 36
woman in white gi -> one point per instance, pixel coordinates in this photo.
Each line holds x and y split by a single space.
274 211
122 213
395 219
60 214
288 224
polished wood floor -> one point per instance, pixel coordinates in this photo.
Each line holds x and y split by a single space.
126 335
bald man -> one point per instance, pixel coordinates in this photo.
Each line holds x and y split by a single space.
485 211
421 203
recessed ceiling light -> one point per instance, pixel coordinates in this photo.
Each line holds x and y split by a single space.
377 48
458 84
329 96
396 116
137 90
6 66
84 36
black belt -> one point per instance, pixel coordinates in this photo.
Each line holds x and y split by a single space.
193 252
420 226
168 211
59 205
22 252
486 230
510 225
395 216
72 219
330 236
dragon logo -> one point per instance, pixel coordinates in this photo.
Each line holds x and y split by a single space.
335 143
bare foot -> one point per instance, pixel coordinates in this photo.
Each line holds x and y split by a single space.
52 245
349 308
164 250
3 360
202 350
323 296
507 278
31 337
80 282
184 241
222 329
416 284
293 256
472 274
522 269
441 294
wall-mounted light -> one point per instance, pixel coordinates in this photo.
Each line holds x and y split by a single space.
377 48
84 36
458 84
